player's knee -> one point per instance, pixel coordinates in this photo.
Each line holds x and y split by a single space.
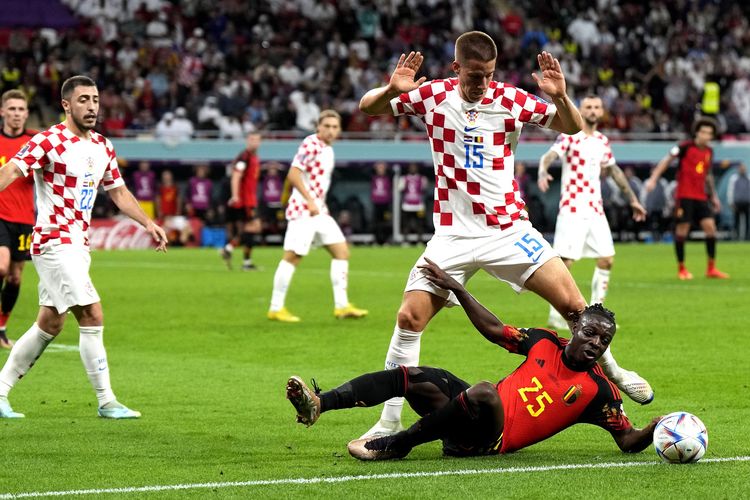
13 279
482 394
605 263
409 318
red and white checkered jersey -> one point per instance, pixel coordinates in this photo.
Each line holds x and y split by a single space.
67 172
583 157
315 159
473 145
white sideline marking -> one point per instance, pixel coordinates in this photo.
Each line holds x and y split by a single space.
344 479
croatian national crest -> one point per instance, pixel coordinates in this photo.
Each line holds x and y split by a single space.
472 116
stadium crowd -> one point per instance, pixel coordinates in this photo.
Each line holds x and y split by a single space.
227 67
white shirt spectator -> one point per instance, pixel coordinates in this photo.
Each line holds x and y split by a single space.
230 128
289 73
169 131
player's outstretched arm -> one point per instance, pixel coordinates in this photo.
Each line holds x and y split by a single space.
378 101
639 213
634 440
545 162
552 82
661 167
126 202
8 173
483 320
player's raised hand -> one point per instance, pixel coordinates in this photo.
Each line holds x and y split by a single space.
435 274
552 81
402 78
158 234
543 182
639 213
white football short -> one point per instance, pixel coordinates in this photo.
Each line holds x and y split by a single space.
510 256
64 279
578 237
305 232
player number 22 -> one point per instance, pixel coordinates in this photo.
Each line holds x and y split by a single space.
540 399
87 198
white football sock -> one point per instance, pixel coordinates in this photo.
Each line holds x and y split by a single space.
403 350
340 282
94 357
555 318
281 281
22 357
599 285
609 365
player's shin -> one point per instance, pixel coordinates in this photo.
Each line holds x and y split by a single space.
403 350
94 358
26 351
599 285
281 281
366 390
8 299
340 282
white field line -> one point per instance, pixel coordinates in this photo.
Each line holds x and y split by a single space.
346 479
219 268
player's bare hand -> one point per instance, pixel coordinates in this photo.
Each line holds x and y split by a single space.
233 201
402 79
543 182
159 236
552 81
312 207
435 274
716 203
639 213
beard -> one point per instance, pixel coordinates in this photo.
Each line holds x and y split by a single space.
82 126
591 122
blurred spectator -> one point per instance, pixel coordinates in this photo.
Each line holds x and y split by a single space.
172 130
381 195
738 197
169 201
272 186
144 188
200 189
522 178
412 187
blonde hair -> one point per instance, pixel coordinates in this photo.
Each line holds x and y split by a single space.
475 46
328 113
13 94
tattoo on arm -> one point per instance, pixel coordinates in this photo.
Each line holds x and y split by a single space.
622 182
546 161
710 185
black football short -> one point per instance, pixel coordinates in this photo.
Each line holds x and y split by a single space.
17 237
687 210
241 214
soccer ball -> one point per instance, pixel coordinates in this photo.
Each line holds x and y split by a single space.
680 438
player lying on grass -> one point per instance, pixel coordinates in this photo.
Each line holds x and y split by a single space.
558 385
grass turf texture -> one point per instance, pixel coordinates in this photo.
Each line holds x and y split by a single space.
190 347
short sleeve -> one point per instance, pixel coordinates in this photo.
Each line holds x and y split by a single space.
528 108
521 340
606 410
307 155
609 158
422 99
561 145
240 165
112 177
675 151
33 155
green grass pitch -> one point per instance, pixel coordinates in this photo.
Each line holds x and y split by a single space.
189 345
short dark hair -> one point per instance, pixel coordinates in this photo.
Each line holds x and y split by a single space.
475 46
600 310
14 94
705 121
71 83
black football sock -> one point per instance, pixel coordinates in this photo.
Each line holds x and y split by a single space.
8 297
679 248
366 390
710 249
437 424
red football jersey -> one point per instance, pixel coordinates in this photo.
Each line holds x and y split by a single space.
544 395
694 165
17 200
249 164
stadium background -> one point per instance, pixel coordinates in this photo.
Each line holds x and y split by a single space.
189 342
230 67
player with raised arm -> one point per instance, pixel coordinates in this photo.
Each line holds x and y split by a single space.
695 189
582 229
243 219
309 221
69 161
473 124
16 208
558 384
